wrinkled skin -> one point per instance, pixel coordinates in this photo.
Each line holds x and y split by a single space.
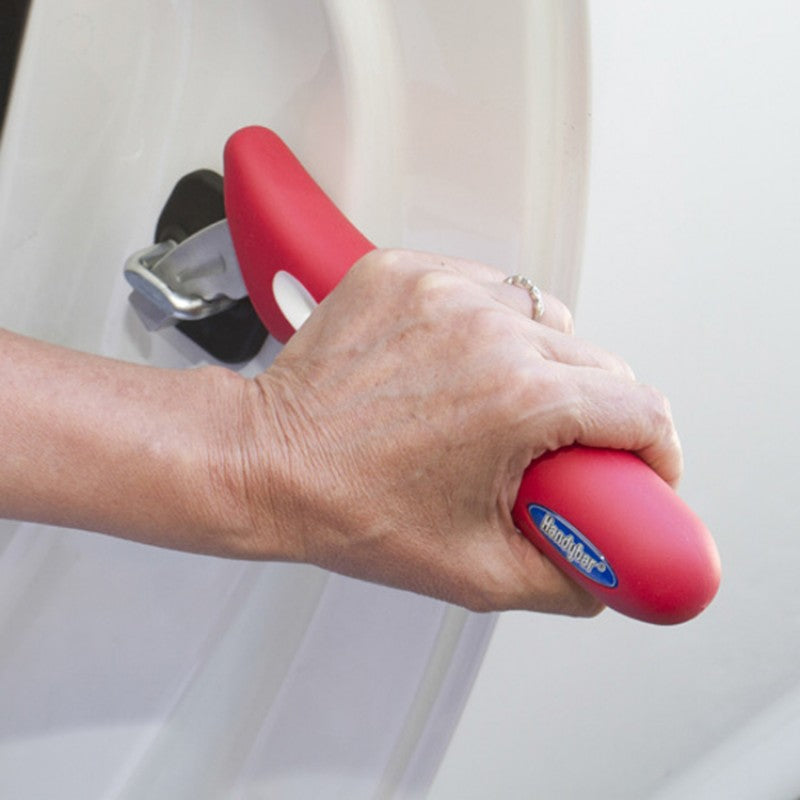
400 418
386 442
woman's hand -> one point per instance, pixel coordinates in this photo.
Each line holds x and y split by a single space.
389 438
387 441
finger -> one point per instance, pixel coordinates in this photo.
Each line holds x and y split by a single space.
549 590
665 456
511 573
597 408
556 315
567 349
474 270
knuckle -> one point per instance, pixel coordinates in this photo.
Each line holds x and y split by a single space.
621 367
563 411
434 283
658 415
660 409
609 361
520 388
394 273
562 319
567 322
493 327
378 263
384 266
432 294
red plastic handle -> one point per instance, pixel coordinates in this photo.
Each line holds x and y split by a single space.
281 221
602 516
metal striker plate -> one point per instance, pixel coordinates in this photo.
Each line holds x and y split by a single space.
190 277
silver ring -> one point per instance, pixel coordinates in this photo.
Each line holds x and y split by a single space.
532 289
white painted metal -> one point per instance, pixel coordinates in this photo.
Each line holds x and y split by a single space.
128 672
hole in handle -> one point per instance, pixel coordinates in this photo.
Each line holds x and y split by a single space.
294 300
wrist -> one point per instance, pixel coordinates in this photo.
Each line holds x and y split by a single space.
245 461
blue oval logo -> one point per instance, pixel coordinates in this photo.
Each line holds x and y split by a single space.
573 546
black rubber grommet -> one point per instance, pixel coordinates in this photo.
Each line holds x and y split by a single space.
237 334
